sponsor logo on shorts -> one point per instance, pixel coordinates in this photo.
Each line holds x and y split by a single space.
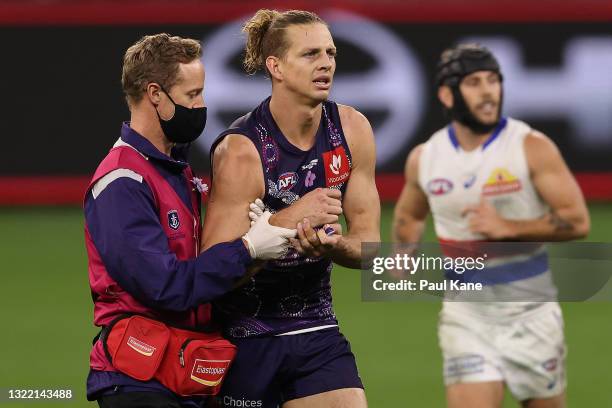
501 181
439 186
140 346
337 166
463 365
209 372
173 219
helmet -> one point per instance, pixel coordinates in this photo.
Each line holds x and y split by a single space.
455 63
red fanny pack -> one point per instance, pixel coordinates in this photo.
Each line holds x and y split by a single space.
186 362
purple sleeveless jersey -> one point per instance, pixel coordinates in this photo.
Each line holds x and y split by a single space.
294 292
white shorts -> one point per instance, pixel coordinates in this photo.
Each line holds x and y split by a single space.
526 352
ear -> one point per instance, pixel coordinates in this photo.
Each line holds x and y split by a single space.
273 65
445 95
153 91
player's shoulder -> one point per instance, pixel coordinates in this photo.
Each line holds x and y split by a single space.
437 141
438 136
236 149
516 128
237 140
537 142
414 157
352 118
540 150
532 139
242 122
357 130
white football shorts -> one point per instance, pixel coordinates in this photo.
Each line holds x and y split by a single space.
526 352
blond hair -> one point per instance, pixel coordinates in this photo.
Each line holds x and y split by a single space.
265 33
155 58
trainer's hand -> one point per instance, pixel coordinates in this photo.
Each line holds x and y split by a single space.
266 241
316 243
319 206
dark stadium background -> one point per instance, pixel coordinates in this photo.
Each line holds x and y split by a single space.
62 107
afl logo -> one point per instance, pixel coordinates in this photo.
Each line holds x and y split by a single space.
439 186
286 181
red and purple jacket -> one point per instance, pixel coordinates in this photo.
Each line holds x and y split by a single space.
142 233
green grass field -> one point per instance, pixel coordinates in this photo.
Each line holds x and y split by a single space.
46 311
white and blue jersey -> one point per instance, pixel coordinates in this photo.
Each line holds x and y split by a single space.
497 171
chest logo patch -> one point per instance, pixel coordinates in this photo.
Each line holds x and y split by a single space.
173 219
337 167
501 181
286 181
439 186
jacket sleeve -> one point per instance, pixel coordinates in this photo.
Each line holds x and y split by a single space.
126 231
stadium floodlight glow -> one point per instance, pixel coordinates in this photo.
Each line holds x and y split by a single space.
395 84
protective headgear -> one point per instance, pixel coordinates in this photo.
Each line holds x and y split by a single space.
456 63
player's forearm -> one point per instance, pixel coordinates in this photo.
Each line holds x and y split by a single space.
560 225
407 230
287 218
356 250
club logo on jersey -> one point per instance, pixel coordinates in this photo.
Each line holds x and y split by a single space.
439 186
501 181
173 219
337 167
286 181
209 372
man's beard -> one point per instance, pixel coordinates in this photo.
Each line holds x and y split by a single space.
462 114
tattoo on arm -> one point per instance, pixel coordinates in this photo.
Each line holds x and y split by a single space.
559 223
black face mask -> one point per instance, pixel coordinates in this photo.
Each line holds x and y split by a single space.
186 124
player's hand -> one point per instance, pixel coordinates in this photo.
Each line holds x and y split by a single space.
256 210
401 249
265 241
316 243
319 206
483 219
